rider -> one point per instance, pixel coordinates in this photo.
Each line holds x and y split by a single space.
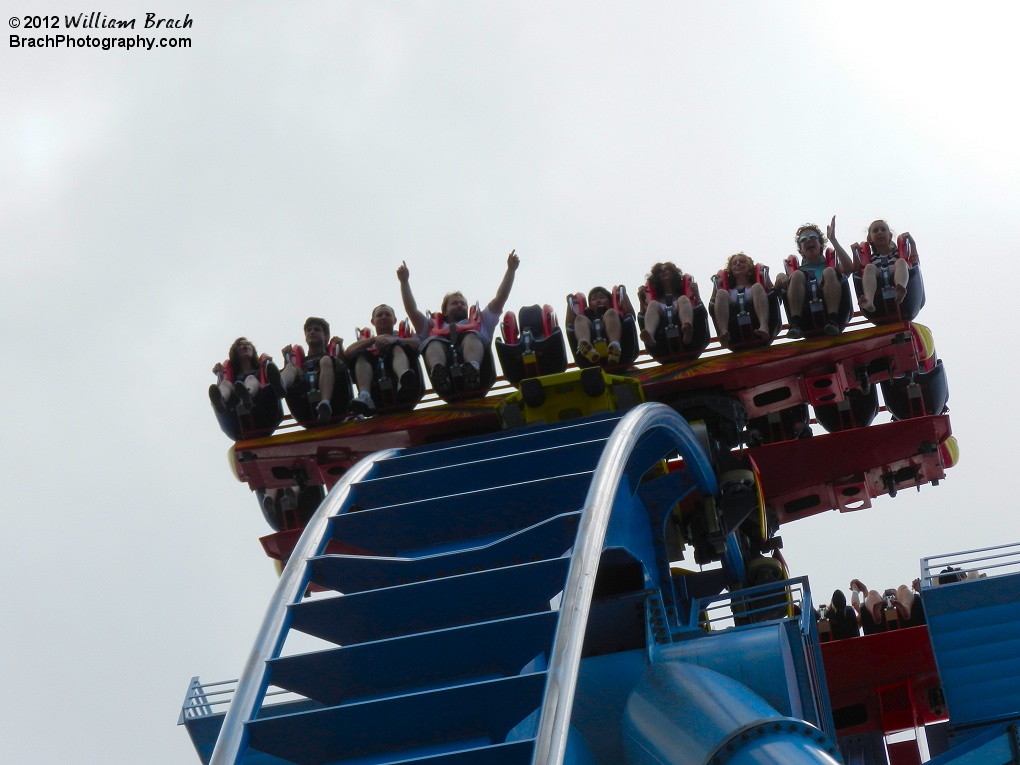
667 279
810 246
740 269
600 303
471 343
293 381
244 384
388 346
883 245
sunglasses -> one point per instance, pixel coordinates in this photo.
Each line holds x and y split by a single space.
806 237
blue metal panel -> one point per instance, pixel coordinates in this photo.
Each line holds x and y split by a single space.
629 529
565 433
467 714
439 523
604 684
999 745
758 658
975 633
437 604
474 474
356 573
502 648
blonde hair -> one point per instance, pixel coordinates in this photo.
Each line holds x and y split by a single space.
729 260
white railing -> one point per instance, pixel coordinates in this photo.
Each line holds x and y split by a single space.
776 600
971 564
207 699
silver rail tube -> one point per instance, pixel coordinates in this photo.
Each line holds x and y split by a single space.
565 660
251 687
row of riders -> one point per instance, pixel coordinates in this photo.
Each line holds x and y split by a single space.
602 329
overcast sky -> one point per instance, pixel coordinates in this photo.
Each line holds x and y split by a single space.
157 204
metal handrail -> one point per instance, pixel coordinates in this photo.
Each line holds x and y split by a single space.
565 658
995 561
716 612
199 703
254 680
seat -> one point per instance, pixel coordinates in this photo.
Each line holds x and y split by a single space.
743 318
886 309
532 344
669 344
441 331
302 399
628 335
813 316
385 392
238 423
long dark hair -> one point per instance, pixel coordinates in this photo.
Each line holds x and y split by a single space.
235 356
657 279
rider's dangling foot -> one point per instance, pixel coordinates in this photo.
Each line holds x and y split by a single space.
613 353
441 381
216 398
363 404
587 350
472 376
832 325
324 411
243 395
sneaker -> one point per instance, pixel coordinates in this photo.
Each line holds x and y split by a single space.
324 411
587 350
275 381
613 354
647 339
216 399
407 384
268 503
831 327
441 381
795 332
243 396
363 404
472 376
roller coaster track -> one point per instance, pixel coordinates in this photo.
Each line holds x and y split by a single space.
468 579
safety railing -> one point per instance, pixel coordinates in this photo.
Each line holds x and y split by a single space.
950 568
764 602
207 699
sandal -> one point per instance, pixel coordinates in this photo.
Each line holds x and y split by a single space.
586 349
614 353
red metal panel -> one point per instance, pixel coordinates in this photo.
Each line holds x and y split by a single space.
868 672
845 470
